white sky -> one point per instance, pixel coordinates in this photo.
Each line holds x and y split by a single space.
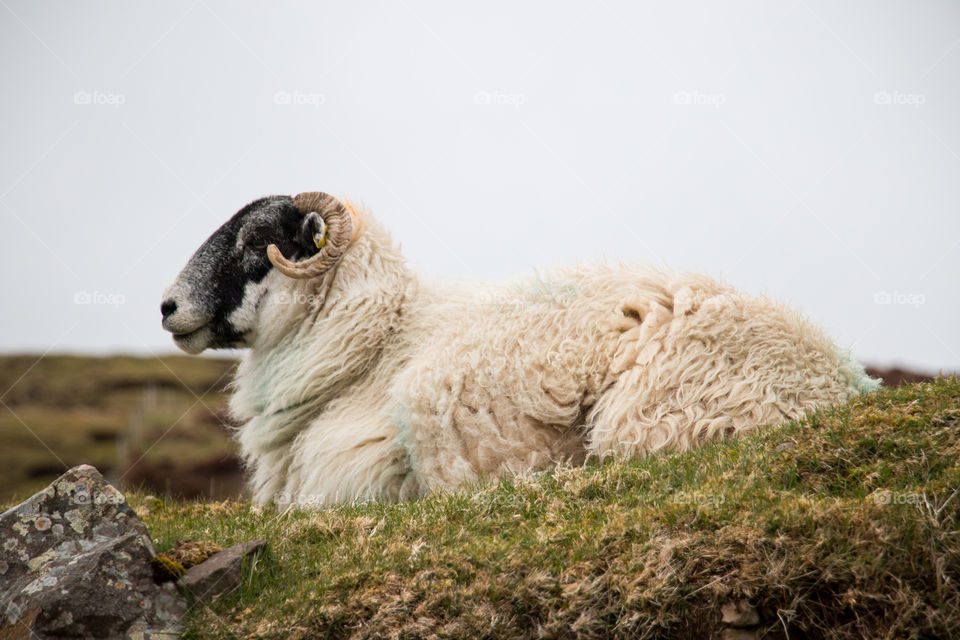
803 149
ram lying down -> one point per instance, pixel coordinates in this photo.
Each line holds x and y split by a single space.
364 381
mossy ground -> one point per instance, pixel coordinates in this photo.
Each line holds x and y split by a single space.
842 525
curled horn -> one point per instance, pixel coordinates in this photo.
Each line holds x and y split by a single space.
339 233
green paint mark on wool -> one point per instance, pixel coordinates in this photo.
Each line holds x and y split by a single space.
551 291
863 382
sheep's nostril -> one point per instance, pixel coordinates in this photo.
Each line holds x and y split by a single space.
167 308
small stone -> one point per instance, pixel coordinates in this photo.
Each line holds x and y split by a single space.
223 572
785 446
740 614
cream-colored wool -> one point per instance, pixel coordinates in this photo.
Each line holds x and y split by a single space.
371 383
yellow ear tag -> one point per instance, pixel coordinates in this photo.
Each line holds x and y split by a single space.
320 237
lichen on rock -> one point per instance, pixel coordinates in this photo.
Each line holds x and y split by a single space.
76 563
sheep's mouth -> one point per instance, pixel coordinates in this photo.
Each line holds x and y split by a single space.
193 342
187 334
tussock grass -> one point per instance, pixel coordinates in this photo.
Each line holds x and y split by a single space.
842 525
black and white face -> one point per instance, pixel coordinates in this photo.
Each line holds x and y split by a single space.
213 303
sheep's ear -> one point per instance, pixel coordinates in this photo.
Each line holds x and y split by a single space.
313 232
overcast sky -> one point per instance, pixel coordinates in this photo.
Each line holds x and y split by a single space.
806 150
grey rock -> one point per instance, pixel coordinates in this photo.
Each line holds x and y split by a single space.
75 563
223 572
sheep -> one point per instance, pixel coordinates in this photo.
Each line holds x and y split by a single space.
363 380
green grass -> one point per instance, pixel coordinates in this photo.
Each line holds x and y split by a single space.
843 525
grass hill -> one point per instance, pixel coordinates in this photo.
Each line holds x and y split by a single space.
842 525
